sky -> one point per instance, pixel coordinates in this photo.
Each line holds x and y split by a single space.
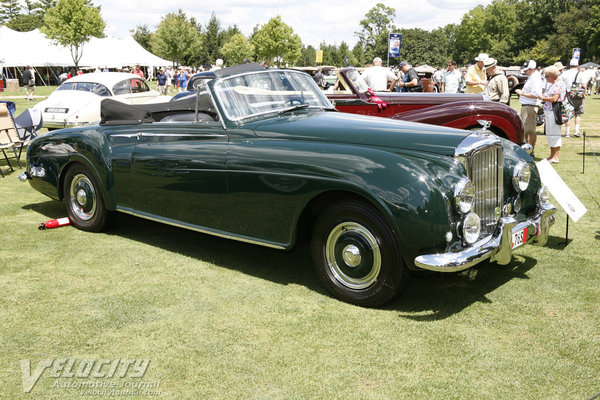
332 21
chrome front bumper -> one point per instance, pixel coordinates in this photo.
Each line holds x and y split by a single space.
497 247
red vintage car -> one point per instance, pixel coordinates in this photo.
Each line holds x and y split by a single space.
463 111
459 110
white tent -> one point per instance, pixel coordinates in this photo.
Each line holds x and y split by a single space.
33 48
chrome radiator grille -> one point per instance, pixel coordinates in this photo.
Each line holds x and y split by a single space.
486 173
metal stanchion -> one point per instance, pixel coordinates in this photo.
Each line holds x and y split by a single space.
583 153
567 232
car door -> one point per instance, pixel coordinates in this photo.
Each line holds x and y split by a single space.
179 172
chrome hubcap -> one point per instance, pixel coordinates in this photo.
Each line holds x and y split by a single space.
353 255
82 197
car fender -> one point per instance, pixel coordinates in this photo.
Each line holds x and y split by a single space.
55 152
505 120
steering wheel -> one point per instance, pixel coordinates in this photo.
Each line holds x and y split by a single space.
296 101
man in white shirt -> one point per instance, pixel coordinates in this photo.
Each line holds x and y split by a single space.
452 78
378 77
530 102
571 76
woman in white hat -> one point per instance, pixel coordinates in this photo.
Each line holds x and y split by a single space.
555 91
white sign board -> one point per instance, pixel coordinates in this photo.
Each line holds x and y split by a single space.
561 192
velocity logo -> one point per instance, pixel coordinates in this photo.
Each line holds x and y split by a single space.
84 368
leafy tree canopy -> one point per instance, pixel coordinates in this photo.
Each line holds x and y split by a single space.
176 38
237 49
72 23
277 41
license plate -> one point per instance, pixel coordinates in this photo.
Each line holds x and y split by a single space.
56 110
519 237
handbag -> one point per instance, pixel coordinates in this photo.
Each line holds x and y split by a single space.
563 111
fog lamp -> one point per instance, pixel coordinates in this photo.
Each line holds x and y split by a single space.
544 195
471 228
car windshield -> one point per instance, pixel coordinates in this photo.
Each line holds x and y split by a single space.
248 95
96 88
357 81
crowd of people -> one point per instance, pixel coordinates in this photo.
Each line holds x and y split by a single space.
542 89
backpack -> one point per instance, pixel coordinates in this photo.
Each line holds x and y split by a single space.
577 91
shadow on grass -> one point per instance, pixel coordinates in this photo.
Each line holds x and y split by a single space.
557 242
52 209
428 297
282 267
437 296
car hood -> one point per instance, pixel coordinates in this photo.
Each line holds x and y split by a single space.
363 130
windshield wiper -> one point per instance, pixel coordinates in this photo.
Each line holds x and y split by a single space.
293 108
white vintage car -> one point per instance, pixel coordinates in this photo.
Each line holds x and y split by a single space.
77 101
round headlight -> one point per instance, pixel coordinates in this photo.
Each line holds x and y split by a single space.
464 195
521 176
544 195
471 228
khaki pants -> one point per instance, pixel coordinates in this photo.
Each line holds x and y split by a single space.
528 116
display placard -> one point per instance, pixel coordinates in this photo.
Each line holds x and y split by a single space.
561 192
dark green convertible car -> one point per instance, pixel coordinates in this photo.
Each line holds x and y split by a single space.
263 157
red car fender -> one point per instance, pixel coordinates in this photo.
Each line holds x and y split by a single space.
465 114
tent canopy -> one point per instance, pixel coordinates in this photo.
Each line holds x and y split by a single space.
33 48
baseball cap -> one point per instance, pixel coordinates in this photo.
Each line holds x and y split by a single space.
574 62
403 63
530 64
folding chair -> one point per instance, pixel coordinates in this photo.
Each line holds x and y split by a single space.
9 138
28 123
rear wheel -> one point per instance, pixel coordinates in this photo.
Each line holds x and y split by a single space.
84 201
356 256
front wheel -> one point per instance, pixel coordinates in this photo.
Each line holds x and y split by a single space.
356 256
84 201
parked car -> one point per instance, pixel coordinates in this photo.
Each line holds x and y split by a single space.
460 110
77 100
516 79
262 156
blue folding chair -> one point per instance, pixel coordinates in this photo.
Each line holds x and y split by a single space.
28 123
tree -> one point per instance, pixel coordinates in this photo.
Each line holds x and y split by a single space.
212 39
26 22
237 49
71 23
143 36
9 9
376 27
359 54
176 38
276 40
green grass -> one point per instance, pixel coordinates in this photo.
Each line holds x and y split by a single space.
224 320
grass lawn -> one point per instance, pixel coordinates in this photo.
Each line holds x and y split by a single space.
220 319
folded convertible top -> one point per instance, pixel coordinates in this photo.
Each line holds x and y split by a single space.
113 112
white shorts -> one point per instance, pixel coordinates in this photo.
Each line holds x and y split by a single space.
553 131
